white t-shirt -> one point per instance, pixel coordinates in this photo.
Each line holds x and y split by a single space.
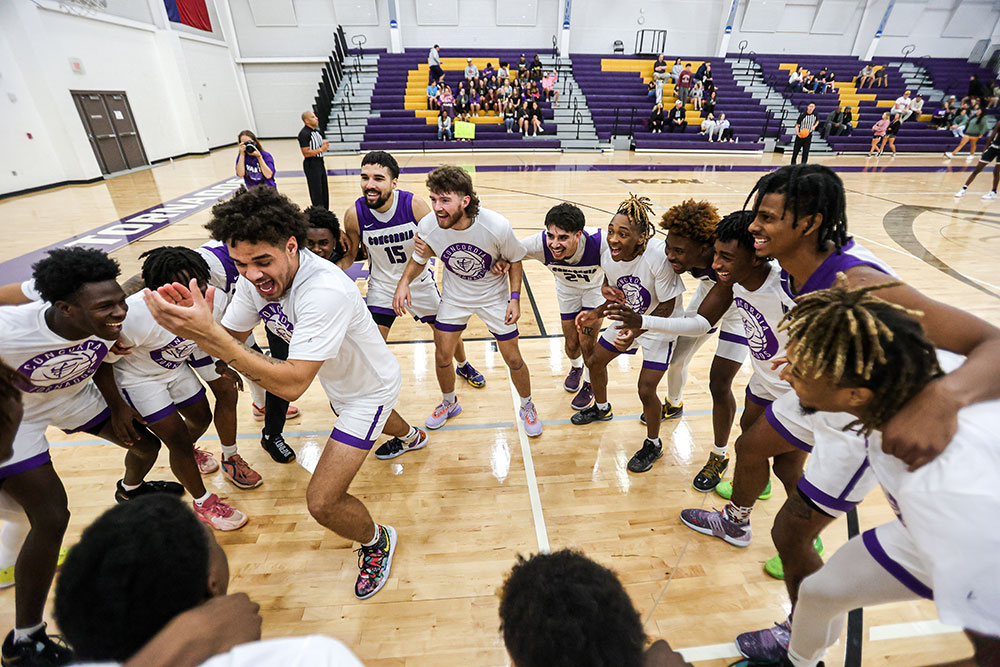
323 318
582 270
156 354
56 369
902 104
762 310
468 254
648 280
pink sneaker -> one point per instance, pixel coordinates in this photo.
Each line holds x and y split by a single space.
206 462
218 514
239 472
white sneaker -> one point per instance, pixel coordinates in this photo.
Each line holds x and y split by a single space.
990 195
948 154
960 193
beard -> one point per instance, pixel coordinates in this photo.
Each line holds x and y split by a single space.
378 203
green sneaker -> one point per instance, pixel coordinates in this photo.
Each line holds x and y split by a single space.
774 567
725 489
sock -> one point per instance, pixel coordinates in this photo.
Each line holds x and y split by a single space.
524 401
965 187
22 635
738 514
721 451
201 501
603 406
463 364
586 374
655 441
449 398
578 362
411 436
228 452
376 539
130 487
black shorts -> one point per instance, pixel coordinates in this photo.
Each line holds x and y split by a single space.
383 319
990 154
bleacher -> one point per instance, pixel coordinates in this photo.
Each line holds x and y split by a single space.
400 117
617 96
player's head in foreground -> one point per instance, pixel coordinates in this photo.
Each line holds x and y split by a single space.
82 286
735 259
798 202
630 228
379 173
690 228
453 199
174 264
563 227
324 233
849 351
564 610
136 567
264 230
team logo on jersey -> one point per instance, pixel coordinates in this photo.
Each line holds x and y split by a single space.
65 367
467 261
636 296
761 340
274 319
174 353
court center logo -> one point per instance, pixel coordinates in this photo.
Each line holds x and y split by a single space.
274 319
636 296
761 340
174 353
467 261
58 369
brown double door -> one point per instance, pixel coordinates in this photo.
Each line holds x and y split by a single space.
107 118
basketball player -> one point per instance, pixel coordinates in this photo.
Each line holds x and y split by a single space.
330 333
637 274
57 345
991 154
801 222
851 352
469 240
324 234
156 380
384 220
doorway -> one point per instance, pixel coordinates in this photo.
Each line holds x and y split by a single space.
107 118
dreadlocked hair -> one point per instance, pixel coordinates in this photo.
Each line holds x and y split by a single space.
810 190
638 209
695 220
168 264
859 340
736 227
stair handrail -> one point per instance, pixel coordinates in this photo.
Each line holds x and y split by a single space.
578 120
743 44
908 49
753 72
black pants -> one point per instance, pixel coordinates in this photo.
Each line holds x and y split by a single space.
674 127
319 189
274 406
801 145
435 73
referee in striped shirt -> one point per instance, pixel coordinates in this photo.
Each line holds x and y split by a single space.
313 145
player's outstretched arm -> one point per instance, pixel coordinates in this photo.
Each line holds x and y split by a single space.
352 233
12 295
401 299
711 310
515 275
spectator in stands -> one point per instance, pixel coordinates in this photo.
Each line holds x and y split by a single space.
959 120
504 72
661 70
836 123
795 80
488 71
503 97
564 609
807 80
902 104
536 68
536 119
549 89
434 63
866 77
882 77
819 82
444 126
509 116
829 86
708 125
471 71
533 92
656 119
700 72
707 80
254 164
890 135
723 129
683 87
524 117
677 118
522 68
697 95
462 102
708 106
977 89
916 108
879 129
489 101
475 100
974 128
432 95
943 116
446 101
804 127
995 96
675 71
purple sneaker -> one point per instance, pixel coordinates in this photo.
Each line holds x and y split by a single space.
572 383
715 522
766 646
532 424
442 413
584 398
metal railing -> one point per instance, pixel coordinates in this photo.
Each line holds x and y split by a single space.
578 121
335 75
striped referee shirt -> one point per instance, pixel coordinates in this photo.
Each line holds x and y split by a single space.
311 139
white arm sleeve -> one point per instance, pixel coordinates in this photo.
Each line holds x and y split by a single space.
678 326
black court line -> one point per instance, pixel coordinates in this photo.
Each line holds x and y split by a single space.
534 306
855 619
480 339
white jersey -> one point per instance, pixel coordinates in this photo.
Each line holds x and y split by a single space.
309 651
223 274
468 254
323 318
30 291
581 271
56 369
157 355
761 311
647 281
388 237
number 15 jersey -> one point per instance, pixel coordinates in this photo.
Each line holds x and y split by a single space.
388 238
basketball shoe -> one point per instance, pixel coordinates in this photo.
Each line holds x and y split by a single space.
218 514
717 524
394 447
146 488
239 472
573 379
725 490
206 462
583 398
669 411
442 413
711 474
7 573
768 646
374 563
532 424
592 413
644 459
40 650
277 448
775 568
471 375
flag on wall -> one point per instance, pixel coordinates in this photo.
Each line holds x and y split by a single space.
193 13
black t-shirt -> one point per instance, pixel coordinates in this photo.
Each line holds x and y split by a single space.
677 114
311 139
894 128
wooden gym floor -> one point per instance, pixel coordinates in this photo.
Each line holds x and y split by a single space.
479 494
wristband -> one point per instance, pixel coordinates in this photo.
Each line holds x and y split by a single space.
515 296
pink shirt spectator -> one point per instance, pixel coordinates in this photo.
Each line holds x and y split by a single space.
548 81
880 127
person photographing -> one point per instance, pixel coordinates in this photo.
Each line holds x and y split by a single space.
253 164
